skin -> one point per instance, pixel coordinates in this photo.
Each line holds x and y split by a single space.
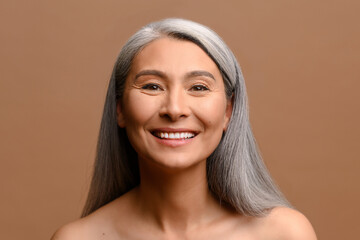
174 86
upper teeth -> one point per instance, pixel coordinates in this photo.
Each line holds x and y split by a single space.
175 135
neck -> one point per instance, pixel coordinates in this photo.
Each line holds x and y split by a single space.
176 200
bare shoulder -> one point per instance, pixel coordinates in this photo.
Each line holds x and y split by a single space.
97 225
286 223
70 231
104 223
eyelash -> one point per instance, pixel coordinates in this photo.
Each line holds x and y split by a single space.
151 87
156 87
199 87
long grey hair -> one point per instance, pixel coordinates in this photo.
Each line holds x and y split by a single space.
236 173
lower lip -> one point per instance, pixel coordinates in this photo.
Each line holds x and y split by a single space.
174 142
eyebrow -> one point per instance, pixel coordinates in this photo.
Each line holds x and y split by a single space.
200 73
150 72
196 73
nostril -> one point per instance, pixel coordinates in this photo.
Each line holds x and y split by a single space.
173 116
175 106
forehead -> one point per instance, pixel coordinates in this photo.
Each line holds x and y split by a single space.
169 54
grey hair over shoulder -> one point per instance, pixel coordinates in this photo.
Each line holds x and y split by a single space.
236 173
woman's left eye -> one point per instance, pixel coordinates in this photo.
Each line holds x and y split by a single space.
199 87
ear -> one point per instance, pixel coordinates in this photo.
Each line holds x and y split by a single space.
228 112
120 115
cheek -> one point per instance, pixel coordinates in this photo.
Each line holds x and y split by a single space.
211 112
137 109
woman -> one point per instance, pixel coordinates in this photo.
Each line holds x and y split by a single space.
176 156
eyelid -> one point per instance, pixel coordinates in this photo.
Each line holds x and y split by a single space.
147 85
203 86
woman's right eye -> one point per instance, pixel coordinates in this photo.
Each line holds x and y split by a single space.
152 87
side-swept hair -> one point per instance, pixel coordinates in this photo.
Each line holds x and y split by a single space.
236 173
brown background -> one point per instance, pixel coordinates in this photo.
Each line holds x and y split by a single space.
301 64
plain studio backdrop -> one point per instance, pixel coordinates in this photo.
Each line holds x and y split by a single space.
300 60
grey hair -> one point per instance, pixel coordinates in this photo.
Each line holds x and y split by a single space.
236 173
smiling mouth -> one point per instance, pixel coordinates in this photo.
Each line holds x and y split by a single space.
173 135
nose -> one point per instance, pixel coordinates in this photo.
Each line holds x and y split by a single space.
175 105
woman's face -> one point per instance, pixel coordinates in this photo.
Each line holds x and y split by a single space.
174 106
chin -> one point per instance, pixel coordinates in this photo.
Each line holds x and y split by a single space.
174 163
